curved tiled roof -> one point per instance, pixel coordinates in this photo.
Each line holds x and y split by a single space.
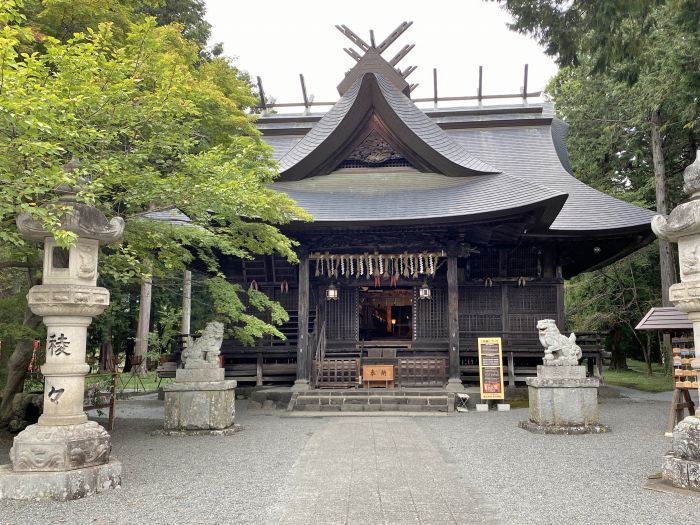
373 93
524 141
533 156
349 196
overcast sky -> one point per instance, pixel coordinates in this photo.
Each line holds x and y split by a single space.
278 39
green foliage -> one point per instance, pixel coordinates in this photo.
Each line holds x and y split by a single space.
167 330
627 66
240 312
153 126
637 378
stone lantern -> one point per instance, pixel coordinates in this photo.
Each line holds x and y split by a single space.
681 467
65 456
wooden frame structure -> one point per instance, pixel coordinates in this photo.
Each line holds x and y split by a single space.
478 205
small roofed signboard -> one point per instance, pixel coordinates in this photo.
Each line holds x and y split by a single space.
490 368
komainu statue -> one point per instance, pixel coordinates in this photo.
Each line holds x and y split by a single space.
204 352
559 350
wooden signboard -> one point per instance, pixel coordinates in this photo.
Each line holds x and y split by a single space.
490 368
382 374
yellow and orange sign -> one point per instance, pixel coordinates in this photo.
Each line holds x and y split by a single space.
491 368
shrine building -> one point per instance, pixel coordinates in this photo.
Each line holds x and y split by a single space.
431 228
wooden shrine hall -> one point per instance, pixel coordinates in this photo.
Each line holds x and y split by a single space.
432 228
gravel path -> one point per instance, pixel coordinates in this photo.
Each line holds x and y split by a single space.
548 479
507 474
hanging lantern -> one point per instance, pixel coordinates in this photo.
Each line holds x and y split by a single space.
425 292
331 293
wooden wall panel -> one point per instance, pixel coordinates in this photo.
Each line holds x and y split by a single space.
342 316
430 315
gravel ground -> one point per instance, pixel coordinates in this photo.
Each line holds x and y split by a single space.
532 478
181 480
522 477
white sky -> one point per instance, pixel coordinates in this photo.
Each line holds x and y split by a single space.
278 39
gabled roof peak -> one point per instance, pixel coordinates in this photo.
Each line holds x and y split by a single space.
373 98
371 61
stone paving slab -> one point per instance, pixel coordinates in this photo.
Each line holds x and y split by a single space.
375 470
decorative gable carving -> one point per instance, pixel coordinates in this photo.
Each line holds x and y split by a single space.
374 151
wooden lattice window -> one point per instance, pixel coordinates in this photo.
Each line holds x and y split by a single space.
255 270
342 316
483 264
284 271
430 315
480 309
529 304
524 262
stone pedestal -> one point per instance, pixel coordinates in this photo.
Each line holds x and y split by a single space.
200 406
681 466
563 401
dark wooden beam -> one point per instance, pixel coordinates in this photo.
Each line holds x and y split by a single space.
396 33
454 380
303 91
405 50
261 92
354 54
303 358
353 37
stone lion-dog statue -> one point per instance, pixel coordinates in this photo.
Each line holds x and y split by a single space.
559 350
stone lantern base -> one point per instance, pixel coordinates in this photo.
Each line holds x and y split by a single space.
563 401
59 462
681 466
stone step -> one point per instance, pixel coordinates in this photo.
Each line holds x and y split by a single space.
314 401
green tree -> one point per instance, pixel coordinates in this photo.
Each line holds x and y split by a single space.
149 125
628 88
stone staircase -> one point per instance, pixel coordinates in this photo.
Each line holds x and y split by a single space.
374 400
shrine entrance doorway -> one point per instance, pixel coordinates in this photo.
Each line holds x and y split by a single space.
386 314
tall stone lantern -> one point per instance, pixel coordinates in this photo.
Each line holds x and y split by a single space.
681 467
65 456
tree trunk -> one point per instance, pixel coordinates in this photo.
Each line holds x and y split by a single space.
618 359
667 264
141 350
106 357
17 368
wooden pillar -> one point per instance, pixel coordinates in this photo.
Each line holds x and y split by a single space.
454 383
259 370
303 359
186 303
561 308
144 326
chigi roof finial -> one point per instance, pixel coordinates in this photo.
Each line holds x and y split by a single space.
370 58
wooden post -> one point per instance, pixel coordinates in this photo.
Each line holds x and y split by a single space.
259 370
302 380
454 383
511 369
186 303
144 325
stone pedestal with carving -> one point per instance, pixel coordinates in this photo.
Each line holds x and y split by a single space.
65 456
681 466
563 401
200 400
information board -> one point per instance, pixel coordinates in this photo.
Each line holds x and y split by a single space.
490 368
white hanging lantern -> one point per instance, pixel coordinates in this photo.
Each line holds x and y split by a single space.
424 291
331 293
